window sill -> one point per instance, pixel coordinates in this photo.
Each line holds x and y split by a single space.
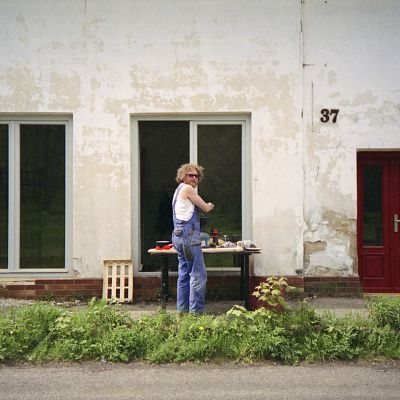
35 273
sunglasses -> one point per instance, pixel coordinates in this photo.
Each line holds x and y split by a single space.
193 176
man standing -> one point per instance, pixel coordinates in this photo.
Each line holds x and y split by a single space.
192 275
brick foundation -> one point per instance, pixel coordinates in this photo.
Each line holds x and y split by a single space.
148 288
52 288
333 285
218 288
144 288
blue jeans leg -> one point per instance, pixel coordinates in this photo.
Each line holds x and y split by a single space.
198 279
183 285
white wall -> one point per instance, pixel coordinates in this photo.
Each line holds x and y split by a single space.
102 60
351 53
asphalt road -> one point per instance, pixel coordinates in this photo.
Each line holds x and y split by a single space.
205 381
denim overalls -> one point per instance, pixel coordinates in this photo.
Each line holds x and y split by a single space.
192 275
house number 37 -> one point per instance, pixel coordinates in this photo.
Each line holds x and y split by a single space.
327 113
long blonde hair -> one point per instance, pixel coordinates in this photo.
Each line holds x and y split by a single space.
185 168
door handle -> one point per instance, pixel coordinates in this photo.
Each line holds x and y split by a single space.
396 221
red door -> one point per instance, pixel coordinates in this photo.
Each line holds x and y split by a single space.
378 221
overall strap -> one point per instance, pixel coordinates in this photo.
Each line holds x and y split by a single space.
175 198
196 214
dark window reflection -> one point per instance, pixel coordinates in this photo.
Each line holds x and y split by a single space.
42 202
3 196
372 186
164 147
220 153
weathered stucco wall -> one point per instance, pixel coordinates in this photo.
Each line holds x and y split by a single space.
101 61
351 65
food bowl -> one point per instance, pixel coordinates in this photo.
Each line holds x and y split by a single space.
162 243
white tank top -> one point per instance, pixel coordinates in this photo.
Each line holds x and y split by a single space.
184 208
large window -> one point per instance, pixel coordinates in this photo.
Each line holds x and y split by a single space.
33 195
163 145
3 196
219 145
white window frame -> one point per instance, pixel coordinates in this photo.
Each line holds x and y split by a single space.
194 120
14 123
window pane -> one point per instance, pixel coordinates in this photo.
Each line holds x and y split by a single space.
372 186
42 201
220 153
164 147
3 196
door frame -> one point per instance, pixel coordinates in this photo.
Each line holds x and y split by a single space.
388 209
194 120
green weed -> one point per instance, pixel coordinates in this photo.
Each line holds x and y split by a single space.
385 311
79 336
23 329
102 332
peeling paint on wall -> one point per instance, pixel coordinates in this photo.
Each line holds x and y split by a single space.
330 246
360 99
22 89
64 89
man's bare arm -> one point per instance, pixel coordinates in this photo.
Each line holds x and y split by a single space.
193 196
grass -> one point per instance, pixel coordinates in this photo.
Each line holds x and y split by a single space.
41 333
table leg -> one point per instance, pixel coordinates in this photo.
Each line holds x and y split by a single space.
241 264
244 279
164 282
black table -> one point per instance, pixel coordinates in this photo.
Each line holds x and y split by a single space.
244 261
